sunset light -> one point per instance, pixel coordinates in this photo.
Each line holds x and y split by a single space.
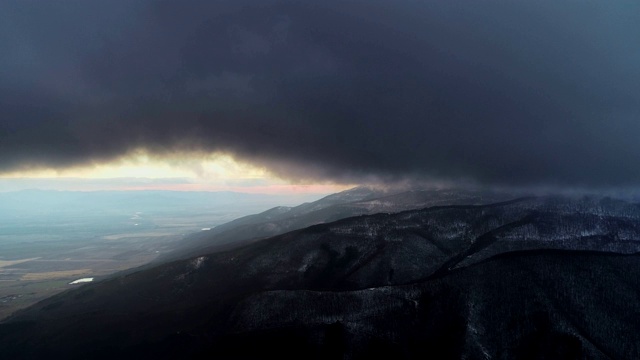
140 170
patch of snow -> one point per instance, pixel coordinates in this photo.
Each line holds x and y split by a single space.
282 209
79 281
198 262
307 261
206 229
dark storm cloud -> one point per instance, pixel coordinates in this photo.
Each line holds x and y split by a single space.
495 91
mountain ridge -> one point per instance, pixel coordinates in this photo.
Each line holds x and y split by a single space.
371 284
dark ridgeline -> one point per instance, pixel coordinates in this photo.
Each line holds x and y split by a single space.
360 200
536 278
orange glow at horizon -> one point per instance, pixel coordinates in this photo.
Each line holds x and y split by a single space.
210 172
264 189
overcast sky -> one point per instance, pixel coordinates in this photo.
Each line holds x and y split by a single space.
499 92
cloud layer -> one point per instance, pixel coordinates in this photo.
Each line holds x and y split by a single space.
522 93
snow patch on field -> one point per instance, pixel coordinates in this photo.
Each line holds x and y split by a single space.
79 281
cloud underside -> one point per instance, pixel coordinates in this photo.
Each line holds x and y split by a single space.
519 93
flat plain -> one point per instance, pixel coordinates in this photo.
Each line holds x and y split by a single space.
49 239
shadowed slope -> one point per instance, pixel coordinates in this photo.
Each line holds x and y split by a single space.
373 284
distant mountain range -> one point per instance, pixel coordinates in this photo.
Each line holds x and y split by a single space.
540 277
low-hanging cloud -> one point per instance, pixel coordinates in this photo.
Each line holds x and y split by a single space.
519 93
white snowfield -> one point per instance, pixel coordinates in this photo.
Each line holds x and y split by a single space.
79 281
